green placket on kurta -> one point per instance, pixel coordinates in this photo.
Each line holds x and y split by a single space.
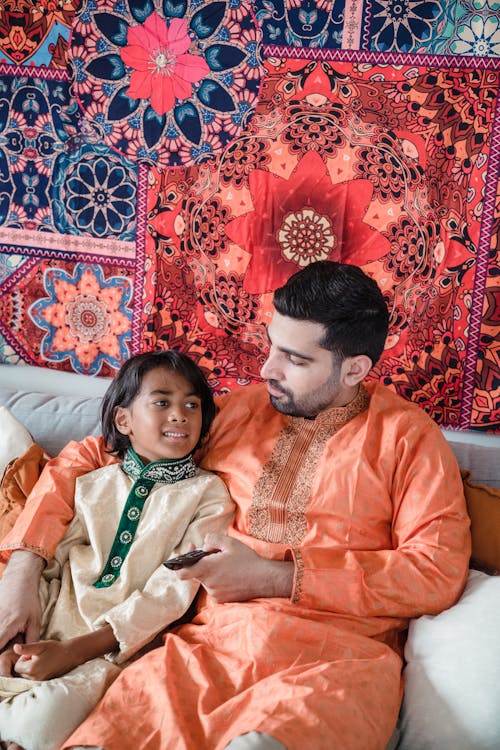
169 471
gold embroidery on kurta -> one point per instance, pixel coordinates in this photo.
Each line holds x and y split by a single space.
277 512
299 573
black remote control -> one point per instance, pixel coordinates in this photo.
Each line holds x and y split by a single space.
188 558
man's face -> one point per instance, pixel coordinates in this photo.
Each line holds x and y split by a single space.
302 378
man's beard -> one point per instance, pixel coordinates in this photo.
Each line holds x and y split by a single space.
286 406
308 407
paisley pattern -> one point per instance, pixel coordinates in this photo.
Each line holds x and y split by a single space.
36 33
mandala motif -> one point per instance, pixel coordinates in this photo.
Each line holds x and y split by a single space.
33 129
431 376
348 162
303 219
479 37
85 318
466 28
226 305
94 192
402 25
169 85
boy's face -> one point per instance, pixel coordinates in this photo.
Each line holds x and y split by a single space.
164 420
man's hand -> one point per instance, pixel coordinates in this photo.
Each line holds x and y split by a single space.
19 599
237 573
43 660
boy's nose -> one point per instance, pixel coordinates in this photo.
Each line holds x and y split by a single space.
177 415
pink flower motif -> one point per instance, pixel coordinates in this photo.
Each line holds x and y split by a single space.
163 70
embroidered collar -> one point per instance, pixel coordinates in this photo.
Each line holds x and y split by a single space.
338 416
168 471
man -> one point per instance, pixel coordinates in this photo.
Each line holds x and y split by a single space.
350 520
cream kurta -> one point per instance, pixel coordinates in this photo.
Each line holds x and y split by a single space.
145 599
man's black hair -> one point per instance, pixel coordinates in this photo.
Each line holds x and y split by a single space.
347 302
127 384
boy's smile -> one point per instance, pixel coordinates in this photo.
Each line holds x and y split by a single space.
164 420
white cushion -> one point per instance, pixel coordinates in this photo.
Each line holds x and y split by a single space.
452 677
14 438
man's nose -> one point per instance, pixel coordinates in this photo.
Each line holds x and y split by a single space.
269 370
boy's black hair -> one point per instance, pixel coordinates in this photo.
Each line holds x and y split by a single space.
347 302
127 384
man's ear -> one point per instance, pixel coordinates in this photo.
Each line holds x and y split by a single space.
355 369
121 418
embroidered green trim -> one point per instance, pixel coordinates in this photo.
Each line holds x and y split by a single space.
169 471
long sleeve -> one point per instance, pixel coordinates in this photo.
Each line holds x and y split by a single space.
425 568
49 507
164 598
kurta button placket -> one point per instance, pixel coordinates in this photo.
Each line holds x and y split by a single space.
166 472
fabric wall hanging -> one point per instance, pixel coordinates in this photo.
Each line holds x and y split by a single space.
165 165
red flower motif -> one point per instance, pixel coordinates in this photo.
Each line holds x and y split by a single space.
162 71
303 219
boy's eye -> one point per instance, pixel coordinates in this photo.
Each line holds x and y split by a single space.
193 405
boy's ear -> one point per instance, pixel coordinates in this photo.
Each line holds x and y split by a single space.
355 369
121 418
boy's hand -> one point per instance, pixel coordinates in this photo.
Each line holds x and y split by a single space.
8 659
43 660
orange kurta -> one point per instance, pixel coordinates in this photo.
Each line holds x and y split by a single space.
368 501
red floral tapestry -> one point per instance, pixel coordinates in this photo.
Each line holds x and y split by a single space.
201 153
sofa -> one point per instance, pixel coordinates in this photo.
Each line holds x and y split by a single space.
452 660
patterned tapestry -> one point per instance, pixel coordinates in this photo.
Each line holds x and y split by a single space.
166 164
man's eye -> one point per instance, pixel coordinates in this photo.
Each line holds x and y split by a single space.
296 361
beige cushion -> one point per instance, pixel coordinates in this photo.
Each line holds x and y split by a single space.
452 675
14 438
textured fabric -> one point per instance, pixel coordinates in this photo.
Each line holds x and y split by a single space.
373 515
164 165
17 482
141 602
144 478
452 677
45 713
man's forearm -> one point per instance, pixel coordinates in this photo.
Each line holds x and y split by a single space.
24 564
278 582
19 599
